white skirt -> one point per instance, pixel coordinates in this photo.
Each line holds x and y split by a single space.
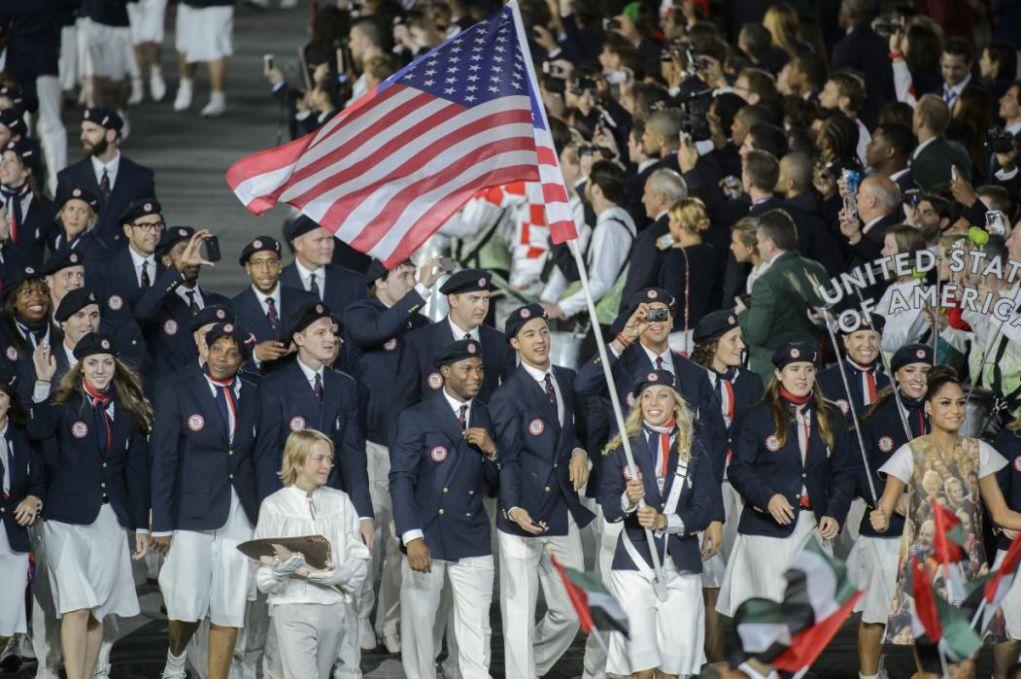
204 33
714 568
146 17
14 576
757 565
108 51
668 635
89 567
1011 603
872 566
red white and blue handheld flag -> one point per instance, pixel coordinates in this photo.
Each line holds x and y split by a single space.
390 169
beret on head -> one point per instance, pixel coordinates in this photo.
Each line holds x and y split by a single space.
523 314
260 244
714 325
656 377
458 351
95 343
467 280
73 302
304 316
795 352
911 353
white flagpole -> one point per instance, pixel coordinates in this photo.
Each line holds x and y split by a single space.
659 583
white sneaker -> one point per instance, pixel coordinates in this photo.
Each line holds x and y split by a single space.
216 107
157 86
136 92
366 637
182 101
126 127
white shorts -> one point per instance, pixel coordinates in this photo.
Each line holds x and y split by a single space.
872 566
757 565
668 635
146 17
204 34
1011 603
205 574
14 576
108 51
89 567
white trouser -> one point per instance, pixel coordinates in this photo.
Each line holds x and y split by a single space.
386 552
594 662
67 65
45 627
471 586
531 649
52 135
309 636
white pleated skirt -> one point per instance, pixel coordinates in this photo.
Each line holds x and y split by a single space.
89 567
1011 603
714 568
14 576
872 566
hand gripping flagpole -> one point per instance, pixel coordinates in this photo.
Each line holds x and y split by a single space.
658 583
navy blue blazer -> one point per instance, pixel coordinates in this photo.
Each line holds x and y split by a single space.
758 472
117 285
535 451
89 245
289 404
252 315
134 182
748 391
1008 444
699 503
343 286
83 476
832 386
11 260
883 434
437 480
165 319
27 478
34 231
632 365
194 464
418 375
375 338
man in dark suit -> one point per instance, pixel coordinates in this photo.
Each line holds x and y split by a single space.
132 270
863 51
659 145
935 155
663 189
29 213
116 179
467 292
802 203
888 154
265 305
878 207
312 269
165 310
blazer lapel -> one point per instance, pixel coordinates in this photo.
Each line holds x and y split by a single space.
445 418
206 397
645 459
537 394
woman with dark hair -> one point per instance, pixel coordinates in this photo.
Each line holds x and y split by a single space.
29 212
719 349
969 126
794 480
98 418
918 468
837 140
998 68
25 323
21 498
873 559
672 491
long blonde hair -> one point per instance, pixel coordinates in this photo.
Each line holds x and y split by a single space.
297 448
682 415
126 383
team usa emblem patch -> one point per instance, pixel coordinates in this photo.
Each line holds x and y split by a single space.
438 453
196 422
297 423
170 327
79 430
115 303
773 443
536 427
435 380
390 344
885 444
11 353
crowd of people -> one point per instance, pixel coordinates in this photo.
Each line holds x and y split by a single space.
801 225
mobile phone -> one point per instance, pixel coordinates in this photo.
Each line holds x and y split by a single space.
340 60
953 173
654 315
212 248
267 62
447 264
995 224
555 70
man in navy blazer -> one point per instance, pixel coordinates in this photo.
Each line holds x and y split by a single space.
442 463
312 270
467 292
107 173
540 512
122 278
265 305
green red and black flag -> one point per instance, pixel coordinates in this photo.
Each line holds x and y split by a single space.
596 607
950 538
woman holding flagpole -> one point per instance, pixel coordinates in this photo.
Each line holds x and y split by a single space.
943 473
674 493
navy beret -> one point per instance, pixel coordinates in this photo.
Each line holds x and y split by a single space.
18 276
523 314
714 325
15 94
171 237
28 150
911 353
73 302
299 226
656 377
95 343
13 121
104 117
307 314
233 330
140 208
458 351
66 193
375 271
878 322
467 280
795 352
214 313
650 295
62 259
260 244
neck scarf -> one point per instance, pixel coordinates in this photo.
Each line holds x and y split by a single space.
100 402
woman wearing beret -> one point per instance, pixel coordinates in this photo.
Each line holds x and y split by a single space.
21 499
29 213
793 479
25 322
98 418
77 211
674 492
719 349
873 559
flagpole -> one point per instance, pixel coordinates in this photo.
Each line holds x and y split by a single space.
572 245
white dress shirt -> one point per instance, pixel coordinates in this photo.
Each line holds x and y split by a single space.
111 170
182 293
262 297
310 375
306 278
540 377
138 260
460 332
668 359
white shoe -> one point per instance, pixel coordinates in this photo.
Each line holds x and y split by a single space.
216 107
366 637
169 673
136 92
157 86
182 101
126 127
46 673
392 643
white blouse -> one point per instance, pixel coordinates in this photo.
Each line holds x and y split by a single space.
289 513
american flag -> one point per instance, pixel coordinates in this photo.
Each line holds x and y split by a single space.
390 169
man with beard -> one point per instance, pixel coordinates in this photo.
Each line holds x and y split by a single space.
165 310
117 180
